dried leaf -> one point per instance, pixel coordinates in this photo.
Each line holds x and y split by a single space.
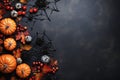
54 62
22 38
26 33
18 19
26 47
17 53
18 36
22 28
46 69
38 76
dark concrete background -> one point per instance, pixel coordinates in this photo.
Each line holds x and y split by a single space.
86 35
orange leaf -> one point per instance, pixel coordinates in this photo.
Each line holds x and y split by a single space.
46 69
54 62
22 38
38 76
18 36
17 53
26 47
18 19
26 33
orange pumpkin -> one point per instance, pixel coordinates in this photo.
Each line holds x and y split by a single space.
23 1
9 44
23 70
7 63
7 26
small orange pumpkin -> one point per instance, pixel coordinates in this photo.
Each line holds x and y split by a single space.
23 70
7 26
23 1
7 63
9 44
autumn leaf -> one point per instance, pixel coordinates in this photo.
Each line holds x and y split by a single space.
38 76
26 47
17 53
18 19
46 69
22 38
26 33
54 62
18 36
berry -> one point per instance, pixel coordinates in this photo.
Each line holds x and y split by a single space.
19 12
8 7
31 10
11 8
23 13
24 7
35 10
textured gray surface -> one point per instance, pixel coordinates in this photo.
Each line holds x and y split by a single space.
86 35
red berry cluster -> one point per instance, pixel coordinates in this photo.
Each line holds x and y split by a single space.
33 10
36 66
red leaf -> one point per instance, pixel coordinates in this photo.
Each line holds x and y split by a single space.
26 33
38 76
46 69
17 53
22 38
18 36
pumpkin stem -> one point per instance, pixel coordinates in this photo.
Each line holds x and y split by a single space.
6 27
4 67
22 71
10 44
